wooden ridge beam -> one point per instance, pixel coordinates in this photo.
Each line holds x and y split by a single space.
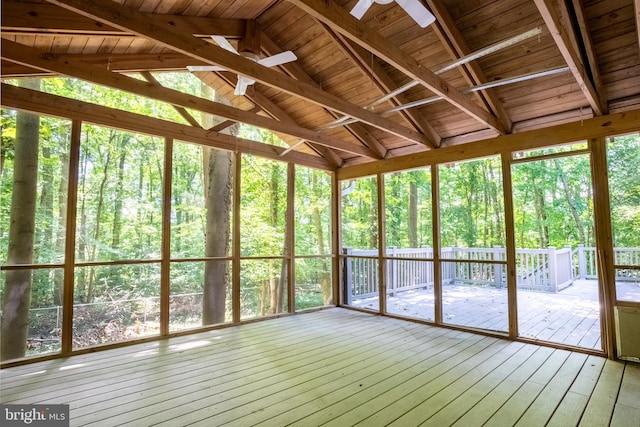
47 19
127 19
28 56
57 106
562 32
341 21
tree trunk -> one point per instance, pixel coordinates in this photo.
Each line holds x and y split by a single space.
116 229
325 274
96 233
413 214
58 277
541 217
571 202
218 166
17 291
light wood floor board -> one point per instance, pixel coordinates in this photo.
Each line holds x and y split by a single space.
334 367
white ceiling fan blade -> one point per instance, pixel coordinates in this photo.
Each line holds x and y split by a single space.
278 59
361 8
417 11
224 43
242 84
204 68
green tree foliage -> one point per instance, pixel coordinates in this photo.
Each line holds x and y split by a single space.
553 202
360 213
312 237
624 189
408 209
471 204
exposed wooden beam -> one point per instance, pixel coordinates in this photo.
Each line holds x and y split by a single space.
636 9
43 19
562 33
120 62
181 110
341 21
587 43
57 106
28 56
600 126
373 70
453 40
127 19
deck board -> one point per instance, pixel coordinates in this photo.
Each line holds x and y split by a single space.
333 367
570 316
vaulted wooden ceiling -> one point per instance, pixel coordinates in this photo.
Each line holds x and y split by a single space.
556 61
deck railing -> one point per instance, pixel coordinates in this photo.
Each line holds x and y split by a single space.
585 263
544 270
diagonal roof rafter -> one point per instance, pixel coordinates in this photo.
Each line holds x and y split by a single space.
127 19
374 72
453 40
341 21
555 16
28 56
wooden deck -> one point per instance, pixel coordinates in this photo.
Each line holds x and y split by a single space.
571 316
336 367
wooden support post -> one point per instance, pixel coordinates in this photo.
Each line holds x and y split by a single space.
70 242
393 272
553 268
235 262
582 263
604 243
497 268
165 263
382 246
347 295
435 229
336 239
510 240
290 257
569 263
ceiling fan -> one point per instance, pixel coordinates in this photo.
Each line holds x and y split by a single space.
414 8
243 81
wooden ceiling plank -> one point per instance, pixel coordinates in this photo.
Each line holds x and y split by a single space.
562 32
31 57
294 70
57 106
341 21
373 70
47 18
451 36
117 15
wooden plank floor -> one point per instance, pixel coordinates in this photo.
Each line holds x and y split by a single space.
571 316
334 367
